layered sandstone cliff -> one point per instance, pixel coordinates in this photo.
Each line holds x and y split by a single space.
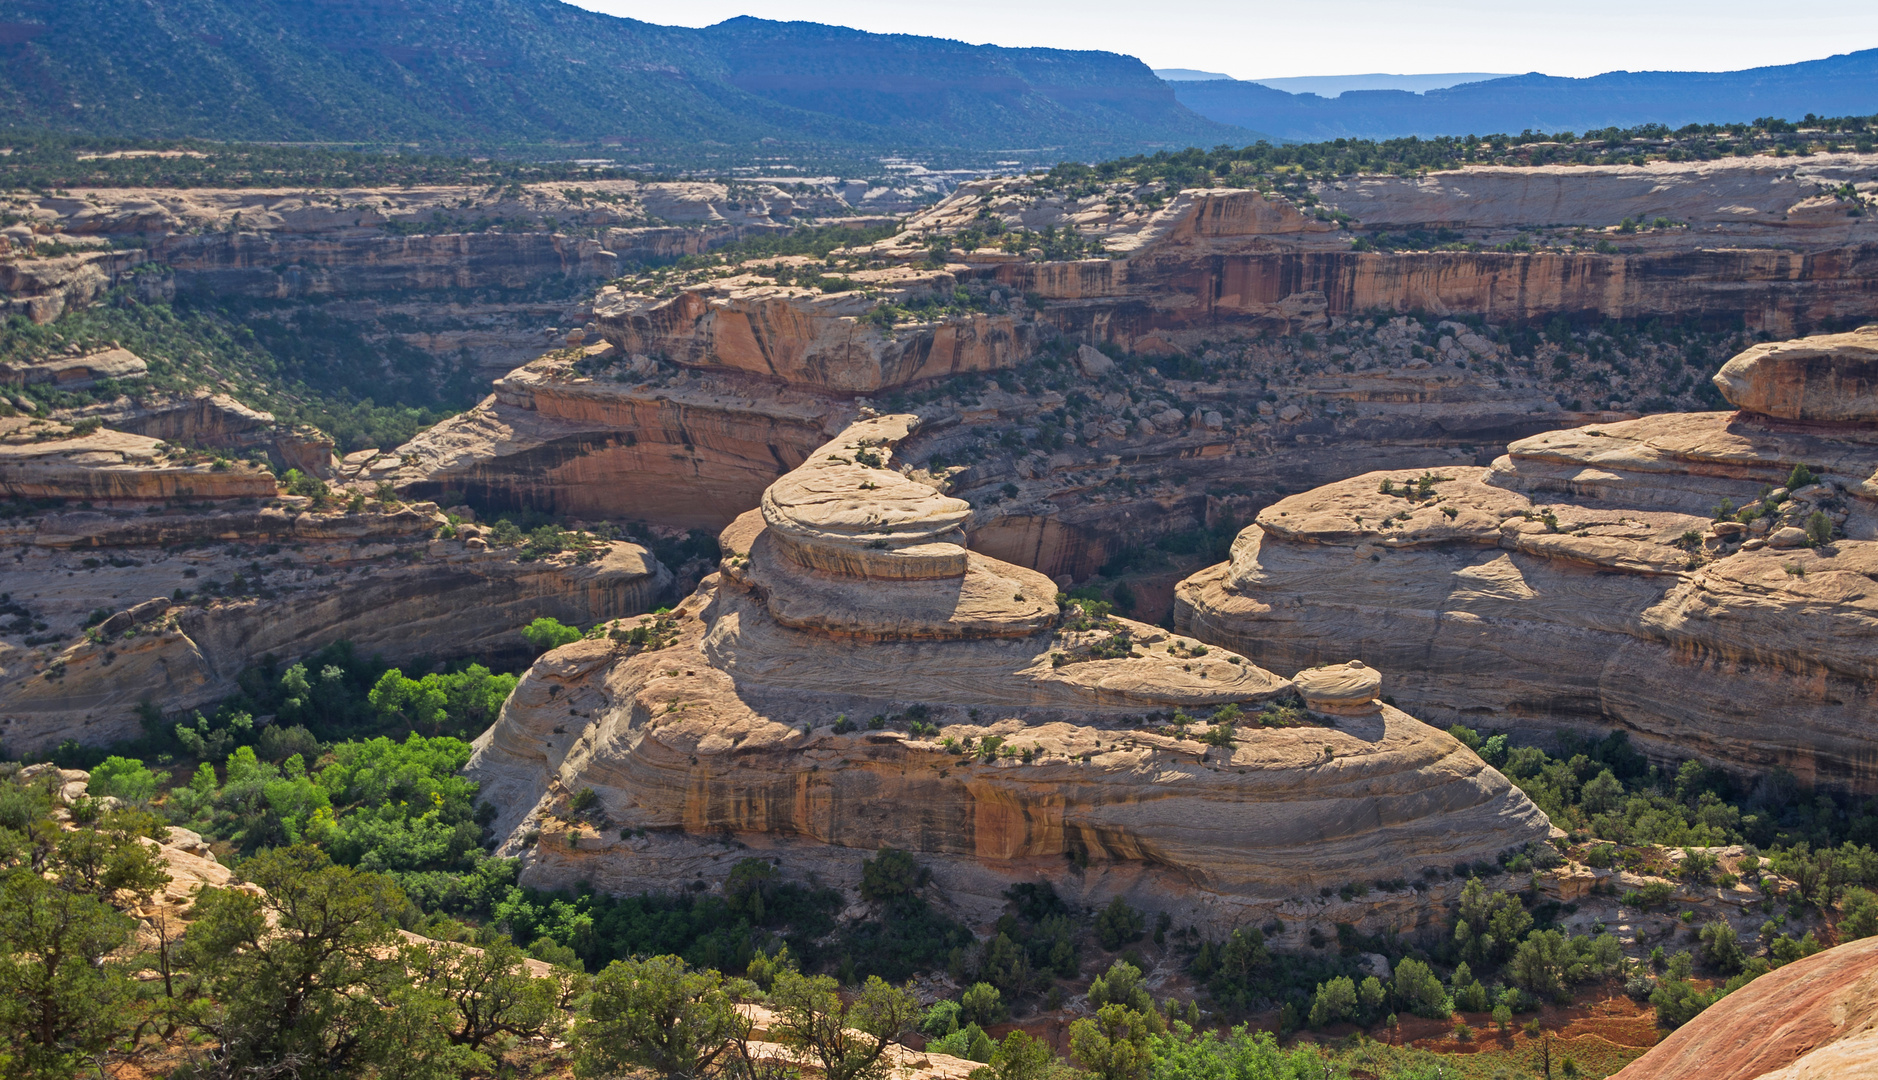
1007 735
815 337
1654 574
599 437
134 580
1772 241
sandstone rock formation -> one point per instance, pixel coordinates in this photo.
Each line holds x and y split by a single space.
1208 259
1833 377
560 436
1114 456
181 598
1581 582
1020 735
1814 1019
42 459
77 372
811 338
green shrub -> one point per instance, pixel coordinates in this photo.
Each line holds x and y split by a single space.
982 1005
547 634
1419 991
1335 1000
1118 924
1818 528
890 873
126 779
1720 948
1860 916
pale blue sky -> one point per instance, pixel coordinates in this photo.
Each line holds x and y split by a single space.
1334 37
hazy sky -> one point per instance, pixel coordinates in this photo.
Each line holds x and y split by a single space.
1248 39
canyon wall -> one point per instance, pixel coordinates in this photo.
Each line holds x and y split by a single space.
556 438
143 575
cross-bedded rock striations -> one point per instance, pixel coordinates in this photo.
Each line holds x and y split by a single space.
1007 734
148 574
1656 575
1813 1019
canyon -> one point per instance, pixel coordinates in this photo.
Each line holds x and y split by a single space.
488 274
1092 411
1244 377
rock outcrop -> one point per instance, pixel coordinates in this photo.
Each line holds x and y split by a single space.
1813 1019
1831 378
114 608
46 459
1007 735
569 438
1655 574
809 337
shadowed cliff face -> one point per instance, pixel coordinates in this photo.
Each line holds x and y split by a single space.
730 716
1581 583
1167 298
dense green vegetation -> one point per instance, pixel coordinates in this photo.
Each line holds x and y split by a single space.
299 363
46 161
1265 165
1606 790
308 976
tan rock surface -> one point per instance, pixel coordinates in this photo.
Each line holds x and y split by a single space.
728 724
47 459
1601 600
277 579
79 372
1340 688
807 338
693 452
1831 378
1813 1019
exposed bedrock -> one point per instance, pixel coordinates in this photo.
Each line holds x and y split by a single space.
1581 582
591 432
1813 1019
728 717
1164 300
200 594
290 266
553 438
813 341
164 574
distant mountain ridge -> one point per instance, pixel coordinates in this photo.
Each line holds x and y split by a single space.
1844 85
1332 85
532 71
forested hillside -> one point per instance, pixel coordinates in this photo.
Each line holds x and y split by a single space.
446 72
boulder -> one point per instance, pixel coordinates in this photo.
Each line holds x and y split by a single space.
1826 378
1340 688
1787 536
79 372
1091 361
